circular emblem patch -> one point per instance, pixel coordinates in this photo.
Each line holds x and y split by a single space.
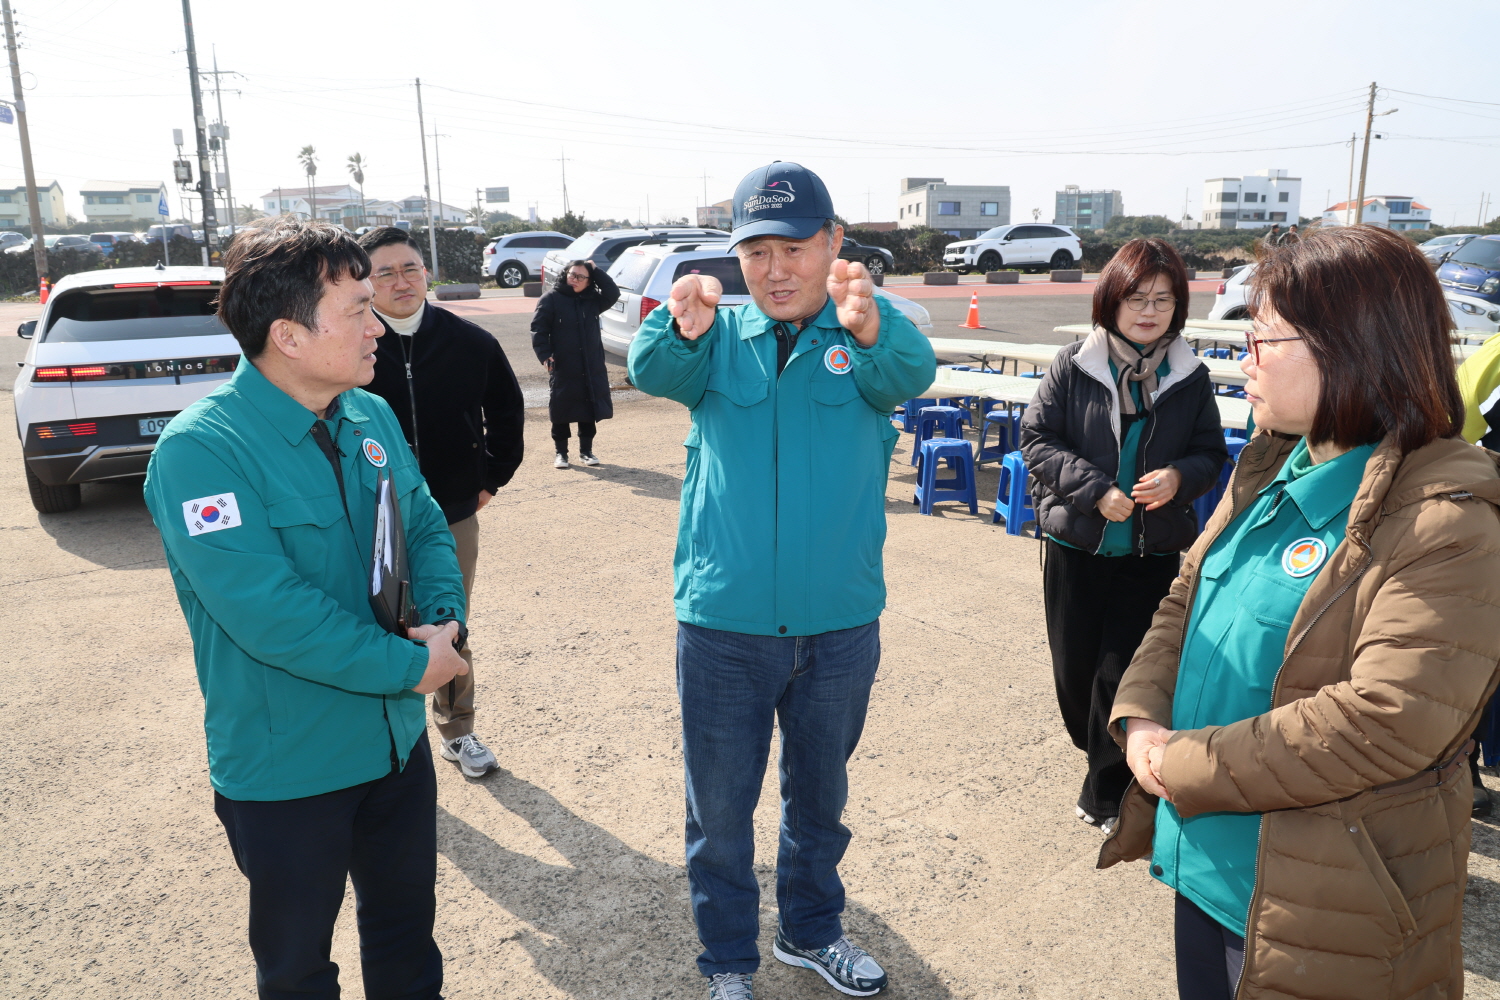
837 359
1304 556
209 514
374 453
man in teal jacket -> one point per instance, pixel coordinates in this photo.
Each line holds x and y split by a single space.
779 585
264 494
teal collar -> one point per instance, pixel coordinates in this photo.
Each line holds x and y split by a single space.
289 417
757 322
1323 491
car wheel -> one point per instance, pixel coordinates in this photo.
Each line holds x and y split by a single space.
52 499
989 262
1239 312
1062 260
510 275
875 264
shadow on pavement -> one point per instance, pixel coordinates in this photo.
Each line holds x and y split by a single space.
615 922
644 482
111 528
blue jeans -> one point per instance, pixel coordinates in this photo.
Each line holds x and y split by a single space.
734 688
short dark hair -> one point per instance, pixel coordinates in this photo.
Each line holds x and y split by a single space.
1134 264
1373 315
384 236
276 269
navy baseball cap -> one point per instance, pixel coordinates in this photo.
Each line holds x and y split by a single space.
780 199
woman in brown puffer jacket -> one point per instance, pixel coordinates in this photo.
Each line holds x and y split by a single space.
1298 716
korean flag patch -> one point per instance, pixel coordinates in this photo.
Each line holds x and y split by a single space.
213 513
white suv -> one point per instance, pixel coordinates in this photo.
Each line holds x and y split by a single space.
1030 246
604 246
115 355
517 257
645 274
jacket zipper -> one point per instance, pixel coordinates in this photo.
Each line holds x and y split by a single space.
1260 837
1140 461
411 393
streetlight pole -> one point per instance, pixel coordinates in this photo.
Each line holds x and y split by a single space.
200 129
427 186
1364 159
33 201
223 137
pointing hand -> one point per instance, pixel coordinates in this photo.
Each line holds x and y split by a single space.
693 302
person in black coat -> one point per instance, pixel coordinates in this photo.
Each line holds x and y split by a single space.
565 336
1122 436
451 387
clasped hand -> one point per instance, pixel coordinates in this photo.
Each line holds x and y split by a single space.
443 661
1153 490
1145 747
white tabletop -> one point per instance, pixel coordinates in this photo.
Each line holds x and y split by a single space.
1233 412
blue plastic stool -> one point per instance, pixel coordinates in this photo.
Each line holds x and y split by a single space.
929 418
909 411
1204 505
1012 499
1007 424
960 486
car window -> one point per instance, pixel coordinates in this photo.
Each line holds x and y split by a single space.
554 242
583 246
726 269
525 242
88 315
994 234
1051 232
612 249
633 270
1480 253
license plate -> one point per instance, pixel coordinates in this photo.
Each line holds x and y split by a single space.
153 426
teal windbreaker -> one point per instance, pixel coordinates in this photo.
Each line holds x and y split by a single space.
783 507
303 692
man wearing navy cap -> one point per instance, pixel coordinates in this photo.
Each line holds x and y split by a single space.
779 583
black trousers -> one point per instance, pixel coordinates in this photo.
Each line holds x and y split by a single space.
1098 609
586 429
297 853
1210 957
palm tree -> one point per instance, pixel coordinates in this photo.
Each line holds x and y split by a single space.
357 166
309 160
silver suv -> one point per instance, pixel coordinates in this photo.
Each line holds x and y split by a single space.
645 274
604 246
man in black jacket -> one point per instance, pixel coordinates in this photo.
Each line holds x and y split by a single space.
450 385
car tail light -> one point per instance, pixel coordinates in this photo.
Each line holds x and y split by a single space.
1222 286
53 431
165 368
648 304
158 284
89 371
58 374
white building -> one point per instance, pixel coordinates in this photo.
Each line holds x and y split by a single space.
341 203
1388 211
1254 201
414 209
293 200
962 210
15 212
108 203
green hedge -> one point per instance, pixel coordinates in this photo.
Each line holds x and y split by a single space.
460 253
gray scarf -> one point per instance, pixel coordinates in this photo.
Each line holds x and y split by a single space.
1135 366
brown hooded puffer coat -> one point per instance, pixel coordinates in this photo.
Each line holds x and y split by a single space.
1393 652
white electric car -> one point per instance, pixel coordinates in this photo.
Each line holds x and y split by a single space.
115 355
645 274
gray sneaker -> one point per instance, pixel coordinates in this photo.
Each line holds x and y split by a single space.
730 986
473 757
589 459
846 966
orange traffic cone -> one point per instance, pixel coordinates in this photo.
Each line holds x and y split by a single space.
972 323
45 292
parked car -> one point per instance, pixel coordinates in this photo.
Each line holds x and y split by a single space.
108 241
154 233
61 241
1473 317
1229 300
1474 269
517 257
878 260
645 274
605 246
8 240
1435 248
115 355
1029 246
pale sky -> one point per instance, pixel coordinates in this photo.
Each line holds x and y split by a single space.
644 98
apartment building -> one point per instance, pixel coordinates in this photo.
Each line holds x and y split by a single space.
1086 209
15 212
961 210
1251 202
113 203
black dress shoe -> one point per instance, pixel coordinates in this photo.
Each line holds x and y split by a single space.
1484 802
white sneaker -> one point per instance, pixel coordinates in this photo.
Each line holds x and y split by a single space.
730 986
844 965
589 460
474 759
562 461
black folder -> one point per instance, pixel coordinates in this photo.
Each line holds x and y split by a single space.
390 573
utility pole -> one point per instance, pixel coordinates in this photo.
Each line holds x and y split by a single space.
1349 198
200 129
562 159
223 136
437 163
1364 160
33 202
427 186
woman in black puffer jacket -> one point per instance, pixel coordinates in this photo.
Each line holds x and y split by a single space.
1122 436
565 336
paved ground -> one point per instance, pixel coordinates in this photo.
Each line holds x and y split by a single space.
562 875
